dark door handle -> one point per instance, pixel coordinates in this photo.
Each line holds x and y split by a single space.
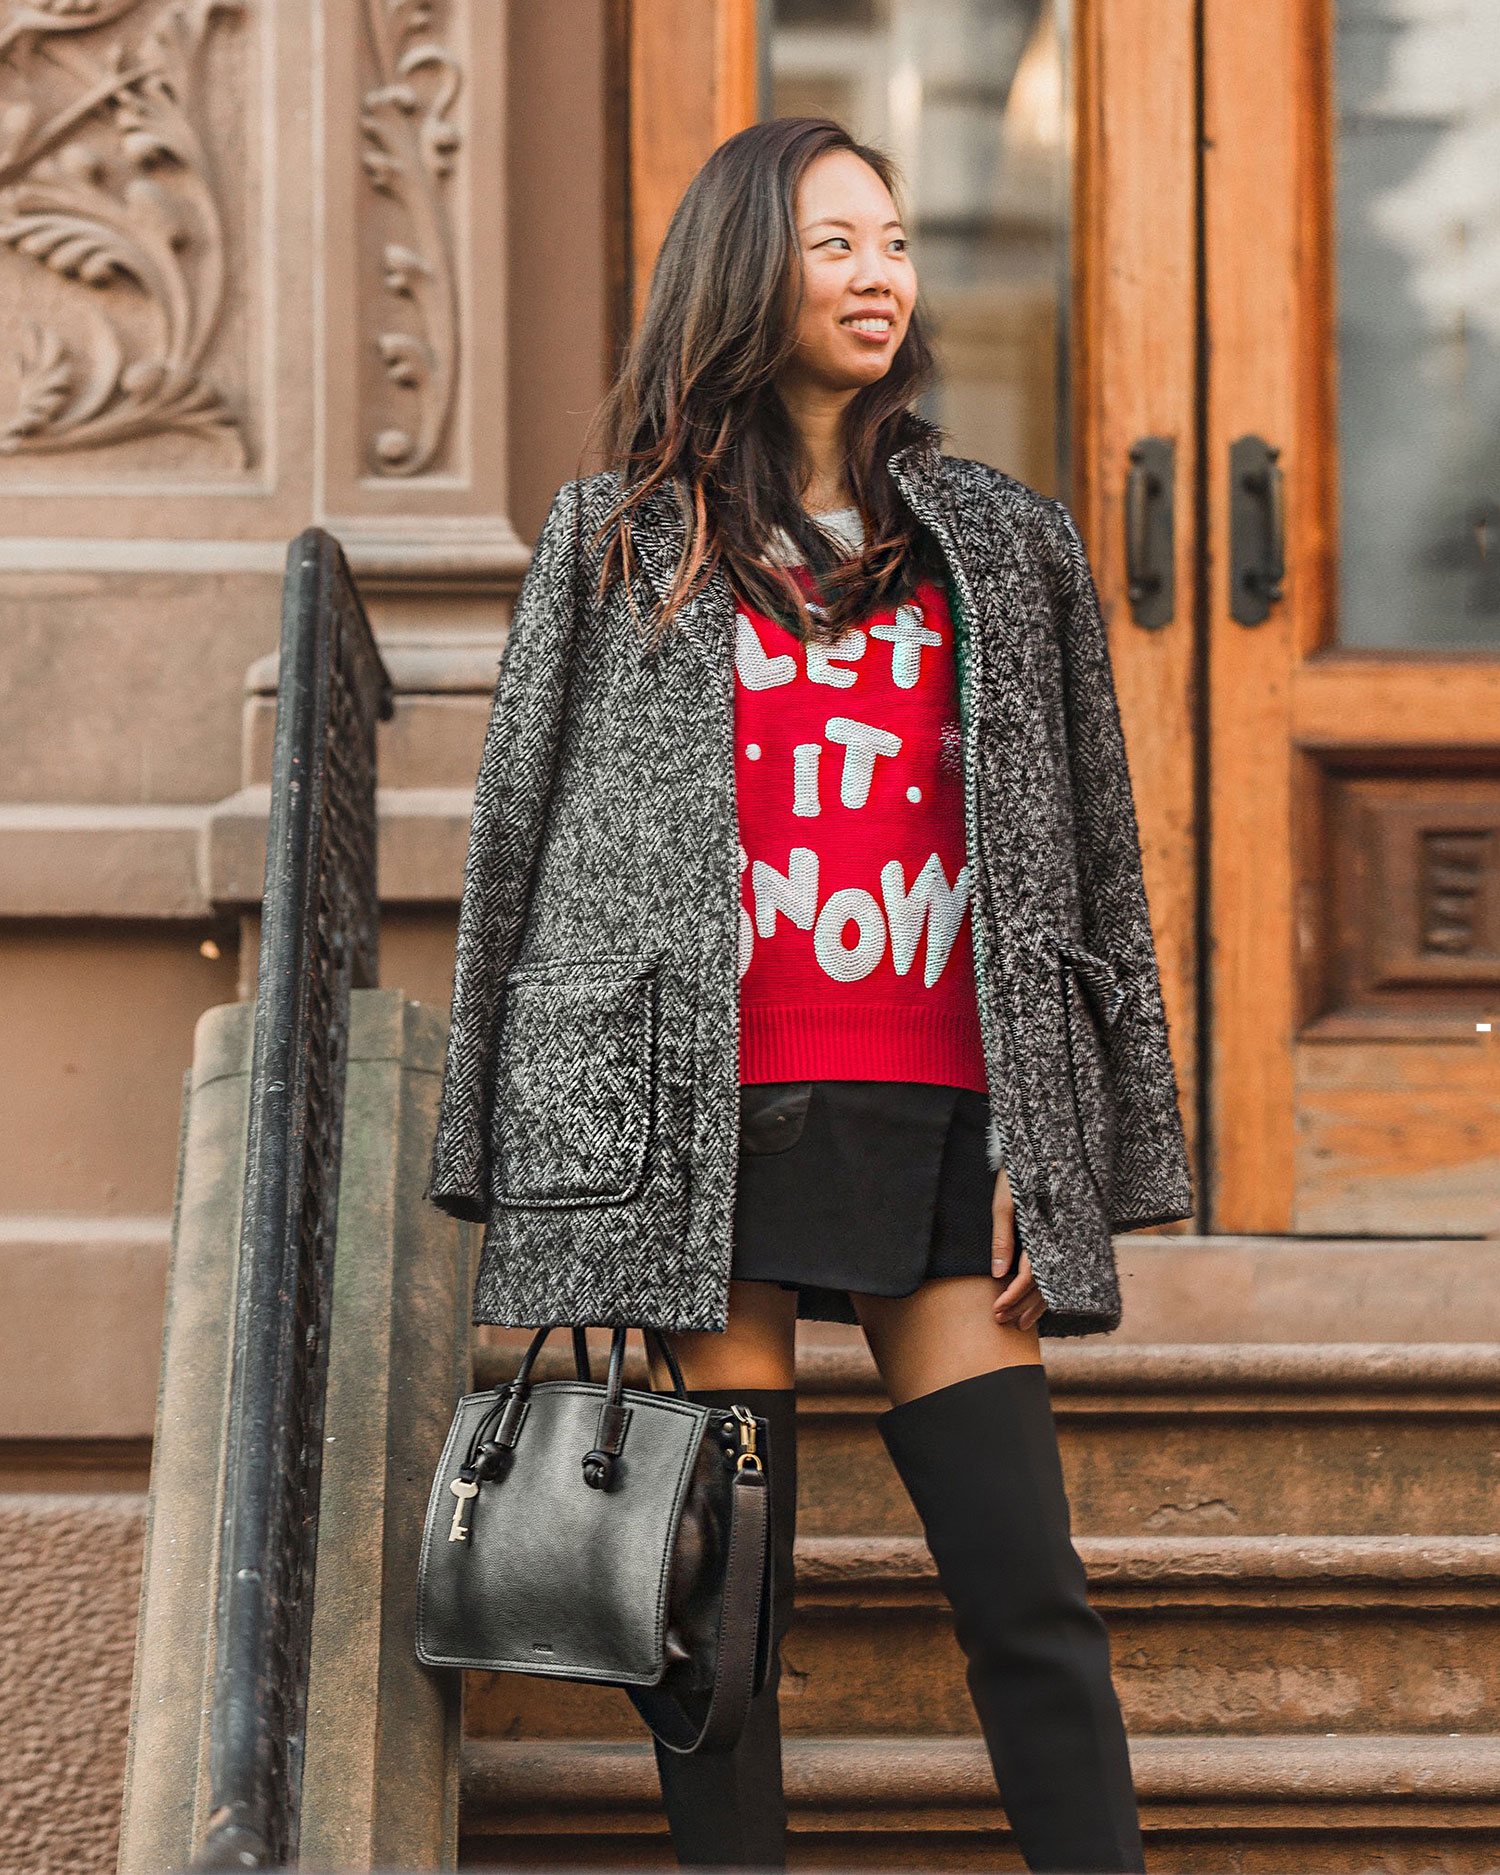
1149 531
1257 529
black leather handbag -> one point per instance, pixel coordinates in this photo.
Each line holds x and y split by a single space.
603 1533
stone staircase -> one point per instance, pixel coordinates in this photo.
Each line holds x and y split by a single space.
1293 1540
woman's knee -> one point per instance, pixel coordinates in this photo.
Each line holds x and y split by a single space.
756 1349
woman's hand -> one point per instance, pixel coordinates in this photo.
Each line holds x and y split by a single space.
1020 1303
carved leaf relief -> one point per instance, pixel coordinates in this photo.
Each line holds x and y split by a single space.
110 185
409 143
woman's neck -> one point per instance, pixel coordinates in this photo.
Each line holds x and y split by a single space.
818 414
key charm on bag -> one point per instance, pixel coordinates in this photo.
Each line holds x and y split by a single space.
463 1491
595 1532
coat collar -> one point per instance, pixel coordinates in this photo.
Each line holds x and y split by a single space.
920 472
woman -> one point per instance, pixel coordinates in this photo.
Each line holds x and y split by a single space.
805 855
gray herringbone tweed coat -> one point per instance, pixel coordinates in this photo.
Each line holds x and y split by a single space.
590 1098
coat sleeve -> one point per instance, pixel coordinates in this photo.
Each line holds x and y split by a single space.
1153 1180
511 793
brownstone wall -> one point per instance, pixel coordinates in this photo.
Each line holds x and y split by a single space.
261 265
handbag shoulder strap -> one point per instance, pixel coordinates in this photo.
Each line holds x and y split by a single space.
739 1623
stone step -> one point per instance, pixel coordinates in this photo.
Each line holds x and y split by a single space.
1249 1634
1234 1439
1338 1804
1207 1438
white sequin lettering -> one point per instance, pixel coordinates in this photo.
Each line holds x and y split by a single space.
794 892
862 743
931 898
805 778
756 671
845 965
847 650
906 638
747 930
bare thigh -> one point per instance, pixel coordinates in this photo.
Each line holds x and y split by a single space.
944 1331
757 1349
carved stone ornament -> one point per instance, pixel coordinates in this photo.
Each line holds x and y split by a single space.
409 144
106 178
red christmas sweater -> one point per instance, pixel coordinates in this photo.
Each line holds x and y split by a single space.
856 958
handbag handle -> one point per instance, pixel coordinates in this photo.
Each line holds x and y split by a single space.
654 1338
494 1437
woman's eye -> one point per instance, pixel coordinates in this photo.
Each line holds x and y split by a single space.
899 242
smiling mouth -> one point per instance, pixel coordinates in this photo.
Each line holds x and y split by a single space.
875 325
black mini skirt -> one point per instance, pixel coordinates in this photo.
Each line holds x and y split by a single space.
870 1186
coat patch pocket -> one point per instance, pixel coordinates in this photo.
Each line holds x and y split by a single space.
1091 998
573 1077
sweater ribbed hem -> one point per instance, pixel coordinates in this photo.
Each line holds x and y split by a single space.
861 1042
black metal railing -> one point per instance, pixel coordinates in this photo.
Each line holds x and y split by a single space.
319 939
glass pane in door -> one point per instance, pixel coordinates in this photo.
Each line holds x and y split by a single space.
967 96
1418 255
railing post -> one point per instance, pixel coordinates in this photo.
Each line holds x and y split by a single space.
271 1272
380 1781
318 938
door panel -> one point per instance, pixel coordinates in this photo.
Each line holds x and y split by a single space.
688 80
1417 194
1354 807
1133 372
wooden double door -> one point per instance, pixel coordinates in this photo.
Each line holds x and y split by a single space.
1284 413
1275 204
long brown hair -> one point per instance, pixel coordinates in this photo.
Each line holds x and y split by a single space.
694 408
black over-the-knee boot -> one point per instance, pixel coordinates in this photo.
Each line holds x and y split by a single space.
726 1808
980 1460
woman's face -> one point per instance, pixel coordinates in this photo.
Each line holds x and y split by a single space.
860 284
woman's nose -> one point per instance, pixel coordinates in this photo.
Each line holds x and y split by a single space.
873 274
